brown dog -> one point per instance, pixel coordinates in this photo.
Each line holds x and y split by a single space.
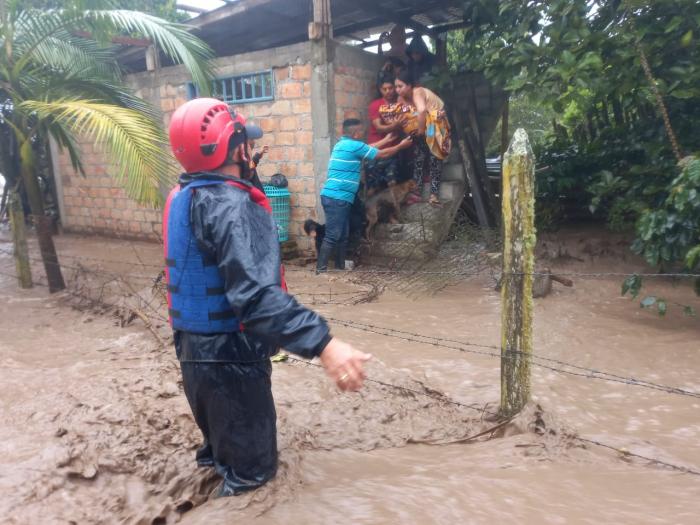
387 201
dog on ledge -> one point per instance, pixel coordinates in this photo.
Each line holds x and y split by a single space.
386 204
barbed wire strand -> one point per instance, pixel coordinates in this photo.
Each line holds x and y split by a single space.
439 342
444 399
360 270
539 361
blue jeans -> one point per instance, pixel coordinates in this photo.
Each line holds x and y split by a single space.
337 231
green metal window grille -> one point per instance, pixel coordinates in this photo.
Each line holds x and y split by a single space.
253 87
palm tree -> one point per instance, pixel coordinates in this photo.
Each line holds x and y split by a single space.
59 77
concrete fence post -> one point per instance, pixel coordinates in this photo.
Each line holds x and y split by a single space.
519 237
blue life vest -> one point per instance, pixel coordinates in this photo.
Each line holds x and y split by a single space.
196 295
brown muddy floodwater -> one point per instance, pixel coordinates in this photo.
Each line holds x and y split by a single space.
94 427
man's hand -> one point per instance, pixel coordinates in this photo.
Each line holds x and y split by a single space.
344 364
390 137
265 149
406 143
399 122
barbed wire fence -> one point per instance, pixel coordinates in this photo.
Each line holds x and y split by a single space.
466 253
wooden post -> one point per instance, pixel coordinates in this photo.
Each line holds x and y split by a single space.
152 58
519 237
478 150
19 241
474 183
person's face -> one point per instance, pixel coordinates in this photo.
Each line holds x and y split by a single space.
239 154
402 89
388 91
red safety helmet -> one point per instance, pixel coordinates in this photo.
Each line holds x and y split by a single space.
201 131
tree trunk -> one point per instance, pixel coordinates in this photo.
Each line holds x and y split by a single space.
617 111
591 125
505 133
606 114
518 222
3 201
43 227
19 241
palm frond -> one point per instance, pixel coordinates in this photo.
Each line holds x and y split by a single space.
174 39
92 87
71 55
31 29
135 143
66 142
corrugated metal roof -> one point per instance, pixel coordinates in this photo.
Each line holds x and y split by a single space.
251 25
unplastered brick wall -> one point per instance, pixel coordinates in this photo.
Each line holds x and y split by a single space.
355 77
288 131
96 203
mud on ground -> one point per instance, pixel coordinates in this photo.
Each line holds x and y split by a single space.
95 427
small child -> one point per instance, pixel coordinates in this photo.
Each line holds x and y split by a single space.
254 133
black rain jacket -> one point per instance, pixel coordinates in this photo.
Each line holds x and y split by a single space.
241 237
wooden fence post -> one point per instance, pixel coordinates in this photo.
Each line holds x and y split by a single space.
519 237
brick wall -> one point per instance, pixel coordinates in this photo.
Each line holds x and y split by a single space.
97 204
355 78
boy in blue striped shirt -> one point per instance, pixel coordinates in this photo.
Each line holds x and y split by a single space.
341 186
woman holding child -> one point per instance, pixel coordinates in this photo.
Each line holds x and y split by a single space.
430 129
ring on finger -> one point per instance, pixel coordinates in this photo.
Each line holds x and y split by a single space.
343 378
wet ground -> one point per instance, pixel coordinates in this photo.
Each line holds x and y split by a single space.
94 427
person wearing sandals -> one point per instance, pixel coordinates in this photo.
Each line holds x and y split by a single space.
431 131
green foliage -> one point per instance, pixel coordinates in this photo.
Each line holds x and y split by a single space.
528 113
60 77
633 284
670 232
608 153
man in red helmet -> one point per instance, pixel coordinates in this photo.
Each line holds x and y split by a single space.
227 301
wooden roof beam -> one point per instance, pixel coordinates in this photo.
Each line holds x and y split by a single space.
191 8
371 6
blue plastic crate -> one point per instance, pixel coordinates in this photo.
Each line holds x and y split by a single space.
279 200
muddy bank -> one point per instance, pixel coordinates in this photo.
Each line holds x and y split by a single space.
95 429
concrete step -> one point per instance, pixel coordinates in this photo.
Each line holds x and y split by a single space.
453 172
383 251
451 190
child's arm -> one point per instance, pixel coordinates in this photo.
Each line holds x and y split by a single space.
419 99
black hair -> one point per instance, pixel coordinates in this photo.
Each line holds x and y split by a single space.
396 62
417 45
310 226
349 124
406 77
384 78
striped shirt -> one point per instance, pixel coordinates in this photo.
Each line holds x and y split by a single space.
343 179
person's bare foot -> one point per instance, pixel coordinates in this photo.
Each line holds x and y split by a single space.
434 200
